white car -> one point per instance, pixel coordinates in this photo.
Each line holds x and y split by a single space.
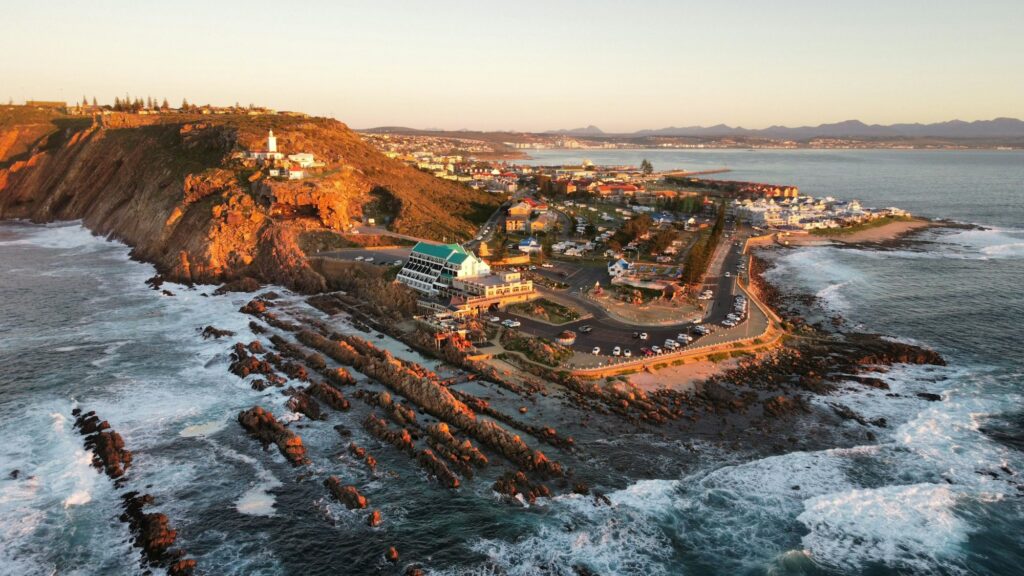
547 265
359 258
671 344
616 351
596 350
368 259
656 349
514 323
728 323
684 338
727 274
397 263
627 353
643 335
494 319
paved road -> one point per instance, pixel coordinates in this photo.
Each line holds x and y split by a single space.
379 255
492 224
608 332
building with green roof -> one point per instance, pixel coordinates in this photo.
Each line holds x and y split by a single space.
431 268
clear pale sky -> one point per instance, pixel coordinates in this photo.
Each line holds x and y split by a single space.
529 65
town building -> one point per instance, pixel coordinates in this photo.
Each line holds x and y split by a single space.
529 245
504 288
303 159
431 268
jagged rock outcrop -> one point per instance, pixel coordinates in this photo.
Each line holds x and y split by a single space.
262 425
516 483
154 535
107 446
424 390
304 404
428 460
328 395
348 495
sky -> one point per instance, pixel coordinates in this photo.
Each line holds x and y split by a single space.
532 65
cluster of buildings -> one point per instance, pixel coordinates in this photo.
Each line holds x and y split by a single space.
290 167
458 280
806 212
530 216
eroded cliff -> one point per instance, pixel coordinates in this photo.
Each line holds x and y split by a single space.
180 191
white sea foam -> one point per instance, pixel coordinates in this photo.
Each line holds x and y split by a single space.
154 380
204 429
258 501
817 269
905 527
77 498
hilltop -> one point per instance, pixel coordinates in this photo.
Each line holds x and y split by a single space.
179 189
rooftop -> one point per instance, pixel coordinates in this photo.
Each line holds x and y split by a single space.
453 252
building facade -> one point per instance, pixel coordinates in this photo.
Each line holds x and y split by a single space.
431 268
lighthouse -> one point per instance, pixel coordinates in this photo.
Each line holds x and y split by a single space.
271 142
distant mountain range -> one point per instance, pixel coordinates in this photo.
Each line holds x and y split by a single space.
997 128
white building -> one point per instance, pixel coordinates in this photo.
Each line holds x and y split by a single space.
304 159
431 268
271 152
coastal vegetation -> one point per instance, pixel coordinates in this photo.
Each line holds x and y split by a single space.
700 255
539 350
546 311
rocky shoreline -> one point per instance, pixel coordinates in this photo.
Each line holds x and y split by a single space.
475 429
152 532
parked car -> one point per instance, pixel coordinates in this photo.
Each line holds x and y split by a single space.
616 351
656 349
359 258
368 259
494 319
643 335
596 350
586 329
646 351
627 353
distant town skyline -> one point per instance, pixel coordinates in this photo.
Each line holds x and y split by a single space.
534 66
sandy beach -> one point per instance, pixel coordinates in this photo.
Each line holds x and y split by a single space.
888 232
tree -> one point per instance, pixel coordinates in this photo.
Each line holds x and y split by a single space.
184 105
94 105
165 106
646 167
500 251
547 246
662 240
85 101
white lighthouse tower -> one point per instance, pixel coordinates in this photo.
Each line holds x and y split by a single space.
271 142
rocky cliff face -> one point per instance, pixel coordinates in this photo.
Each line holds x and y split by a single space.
176 191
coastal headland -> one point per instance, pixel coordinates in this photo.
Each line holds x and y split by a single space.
471 403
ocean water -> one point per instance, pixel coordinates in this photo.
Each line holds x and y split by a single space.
937 493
